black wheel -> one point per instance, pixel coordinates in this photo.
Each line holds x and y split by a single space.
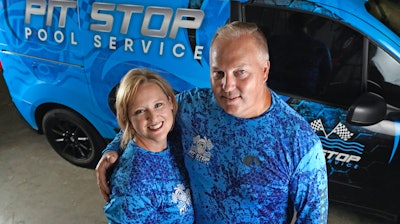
73 138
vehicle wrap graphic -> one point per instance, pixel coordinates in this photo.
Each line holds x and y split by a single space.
339 151
74 53
351 152
396 140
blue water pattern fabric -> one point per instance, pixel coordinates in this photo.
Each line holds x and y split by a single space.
149 187
251 170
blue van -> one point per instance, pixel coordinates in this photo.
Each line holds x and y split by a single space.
336 62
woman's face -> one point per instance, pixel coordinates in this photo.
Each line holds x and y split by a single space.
151 116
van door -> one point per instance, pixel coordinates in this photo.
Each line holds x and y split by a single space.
317 67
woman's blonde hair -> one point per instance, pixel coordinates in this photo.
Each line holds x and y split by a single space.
127 91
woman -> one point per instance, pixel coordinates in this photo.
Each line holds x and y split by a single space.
149 183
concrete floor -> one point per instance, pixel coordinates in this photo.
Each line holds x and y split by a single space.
37 186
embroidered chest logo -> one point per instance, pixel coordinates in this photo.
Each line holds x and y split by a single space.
200 149
181 197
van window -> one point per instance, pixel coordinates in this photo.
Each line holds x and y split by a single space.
311 56
384 75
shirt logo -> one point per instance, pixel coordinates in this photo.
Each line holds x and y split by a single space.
200 149
251 161
182 198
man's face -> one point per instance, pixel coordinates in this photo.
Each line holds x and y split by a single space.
238 77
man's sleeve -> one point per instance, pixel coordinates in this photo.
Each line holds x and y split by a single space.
309 187
114 144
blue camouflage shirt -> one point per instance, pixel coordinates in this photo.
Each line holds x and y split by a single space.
256 170
149 187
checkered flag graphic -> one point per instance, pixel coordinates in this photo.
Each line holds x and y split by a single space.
318 126
342 131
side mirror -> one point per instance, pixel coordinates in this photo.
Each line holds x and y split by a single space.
369 109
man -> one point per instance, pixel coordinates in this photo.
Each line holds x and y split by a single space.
250 157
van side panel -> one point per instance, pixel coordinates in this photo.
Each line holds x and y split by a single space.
74 53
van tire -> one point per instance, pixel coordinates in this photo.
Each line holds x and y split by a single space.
73 138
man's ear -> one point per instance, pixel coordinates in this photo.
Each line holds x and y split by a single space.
266 70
